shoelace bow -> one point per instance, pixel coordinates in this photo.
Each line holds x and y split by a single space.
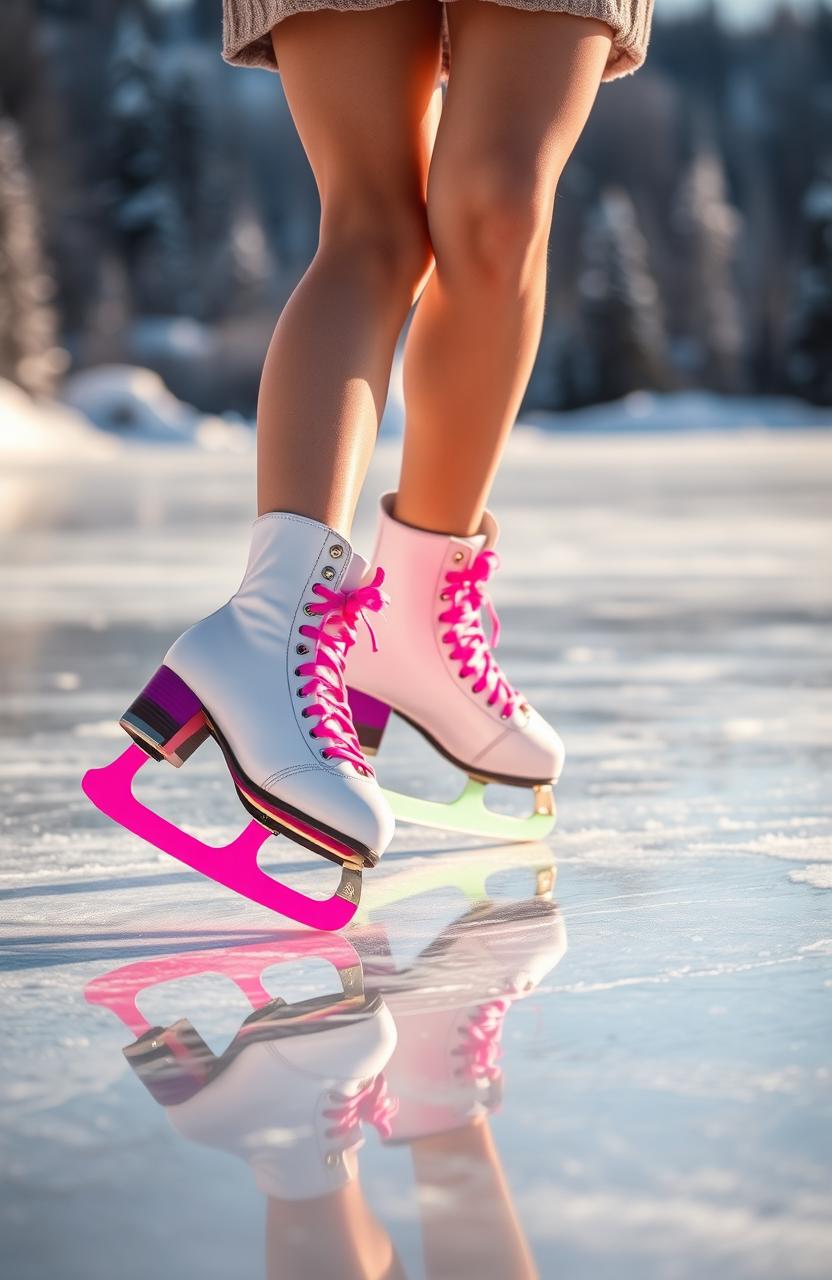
480 1046
339 613
466 590
372 1104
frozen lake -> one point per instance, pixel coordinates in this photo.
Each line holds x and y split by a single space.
661 1105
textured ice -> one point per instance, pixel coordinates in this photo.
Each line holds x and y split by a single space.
666 1081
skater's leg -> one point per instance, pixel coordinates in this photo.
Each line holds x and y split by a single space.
469 1223
333 1235
361 93
509 123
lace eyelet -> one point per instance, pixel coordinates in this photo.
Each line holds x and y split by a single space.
305 713
328 572
336 552
299 693
459 555
302 648
322 753
307 609
312 733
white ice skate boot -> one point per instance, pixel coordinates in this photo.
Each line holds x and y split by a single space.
264 675
436 669
292 1103
289 1093
450 1007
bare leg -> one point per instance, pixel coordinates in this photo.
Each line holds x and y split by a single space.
521 87
361 90
334 1237
468 1220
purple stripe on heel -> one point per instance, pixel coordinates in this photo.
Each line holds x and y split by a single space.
171 693
166 719
370 716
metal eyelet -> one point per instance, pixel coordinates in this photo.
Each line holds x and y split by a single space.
307 609
328 572
305 713
312 733
297 671
302 648
322 753
337 551
299 693
446 595
459 555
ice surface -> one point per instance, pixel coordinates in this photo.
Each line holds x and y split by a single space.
666 1077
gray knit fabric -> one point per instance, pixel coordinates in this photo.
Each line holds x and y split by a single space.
247 23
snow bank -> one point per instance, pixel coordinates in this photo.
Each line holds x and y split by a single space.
135 404
31 429
684 411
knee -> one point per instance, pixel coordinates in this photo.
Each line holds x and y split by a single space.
489 222
388 242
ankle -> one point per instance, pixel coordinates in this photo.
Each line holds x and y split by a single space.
434 518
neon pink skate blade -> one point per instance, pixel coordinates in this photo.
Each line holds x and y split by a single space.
120 989
233 865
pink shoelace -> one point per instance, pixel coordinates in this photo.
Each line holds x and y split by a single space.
480 1048
466 591
371 1104
334 636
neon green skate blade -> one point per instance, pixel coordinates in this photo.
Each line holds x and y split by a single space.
470 815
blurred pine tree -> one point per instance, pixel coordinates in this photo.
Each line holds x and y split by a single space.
624 346
809 359
29 351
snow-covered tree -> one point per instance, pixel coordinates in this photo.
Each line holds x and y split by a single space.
207 177
809 355
29 352
708 331
147 213
623 347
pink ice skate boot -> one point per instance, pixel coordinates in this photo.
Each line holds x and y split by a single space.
450 1008
290 1093
264 676
436 669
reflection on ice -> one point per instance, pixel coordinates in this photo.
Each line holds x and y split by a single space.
411 1049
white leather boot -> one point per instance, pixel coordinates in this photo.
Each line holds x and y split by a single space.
264 675
434 666
292 1104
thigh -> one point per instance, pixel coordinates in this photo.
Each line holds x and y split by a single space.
362 88
521 86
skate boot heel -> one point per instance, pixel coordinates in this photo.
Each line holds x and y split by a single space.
166 719
370 716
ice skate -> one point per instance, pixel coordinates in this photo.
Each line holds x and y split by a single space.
450 1006
264 676
436 670
290 1093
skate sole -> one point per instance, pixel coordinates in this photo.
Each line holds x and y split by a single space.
154 728
370 736
476 775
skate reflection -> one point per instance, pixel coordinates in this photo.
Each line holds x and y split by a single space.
411 1048
450 1007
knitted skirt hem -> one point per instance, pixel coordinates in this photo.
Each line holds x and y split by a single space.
247 25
